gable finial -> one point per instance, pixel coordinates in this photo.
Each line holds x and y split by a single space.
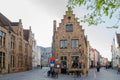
69 10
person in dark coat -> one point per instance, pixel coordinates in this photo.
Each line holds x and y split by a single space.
98 68
41 66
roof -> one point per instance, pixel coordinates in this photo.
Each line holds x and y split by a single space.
4 21
14 23
118 39
26 34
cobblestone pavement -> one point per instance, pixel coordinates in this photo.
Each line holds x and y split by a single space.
41 74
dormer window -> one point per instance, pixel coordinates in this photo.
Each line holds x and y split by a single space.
69 27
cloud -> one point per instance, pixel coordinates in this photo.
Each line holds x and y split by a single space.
53 7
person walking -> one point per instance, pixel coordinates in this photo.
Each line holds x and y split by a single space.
41 66
98 67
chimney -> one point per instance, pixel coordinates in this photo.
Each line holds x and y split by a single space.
20 21
30 28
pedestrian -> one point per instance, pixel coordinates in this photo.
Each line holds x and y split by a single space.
48 73
41 66
98 68
53 73
87 73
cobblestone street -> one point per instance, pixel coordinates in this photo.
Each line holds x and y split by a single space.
41 74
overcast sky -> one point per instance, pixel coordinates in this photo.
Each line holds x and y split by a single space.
39 14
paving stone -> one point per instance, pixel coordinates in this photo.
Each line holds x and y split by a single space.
41 74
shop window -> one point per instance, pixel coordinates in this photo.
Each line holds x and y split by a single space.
75 61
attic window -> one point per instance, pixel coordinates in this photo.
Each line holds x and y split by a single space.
69 27
69 18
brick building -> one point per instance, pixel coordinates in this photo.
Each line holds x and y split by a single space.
15 46
69 44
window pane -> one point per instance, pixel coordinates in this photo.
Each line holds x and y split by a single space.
74 43
0 54
0 61
63 43
0 40
61 57
75 58
1 33
65 58
3 61
3 54
69 27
